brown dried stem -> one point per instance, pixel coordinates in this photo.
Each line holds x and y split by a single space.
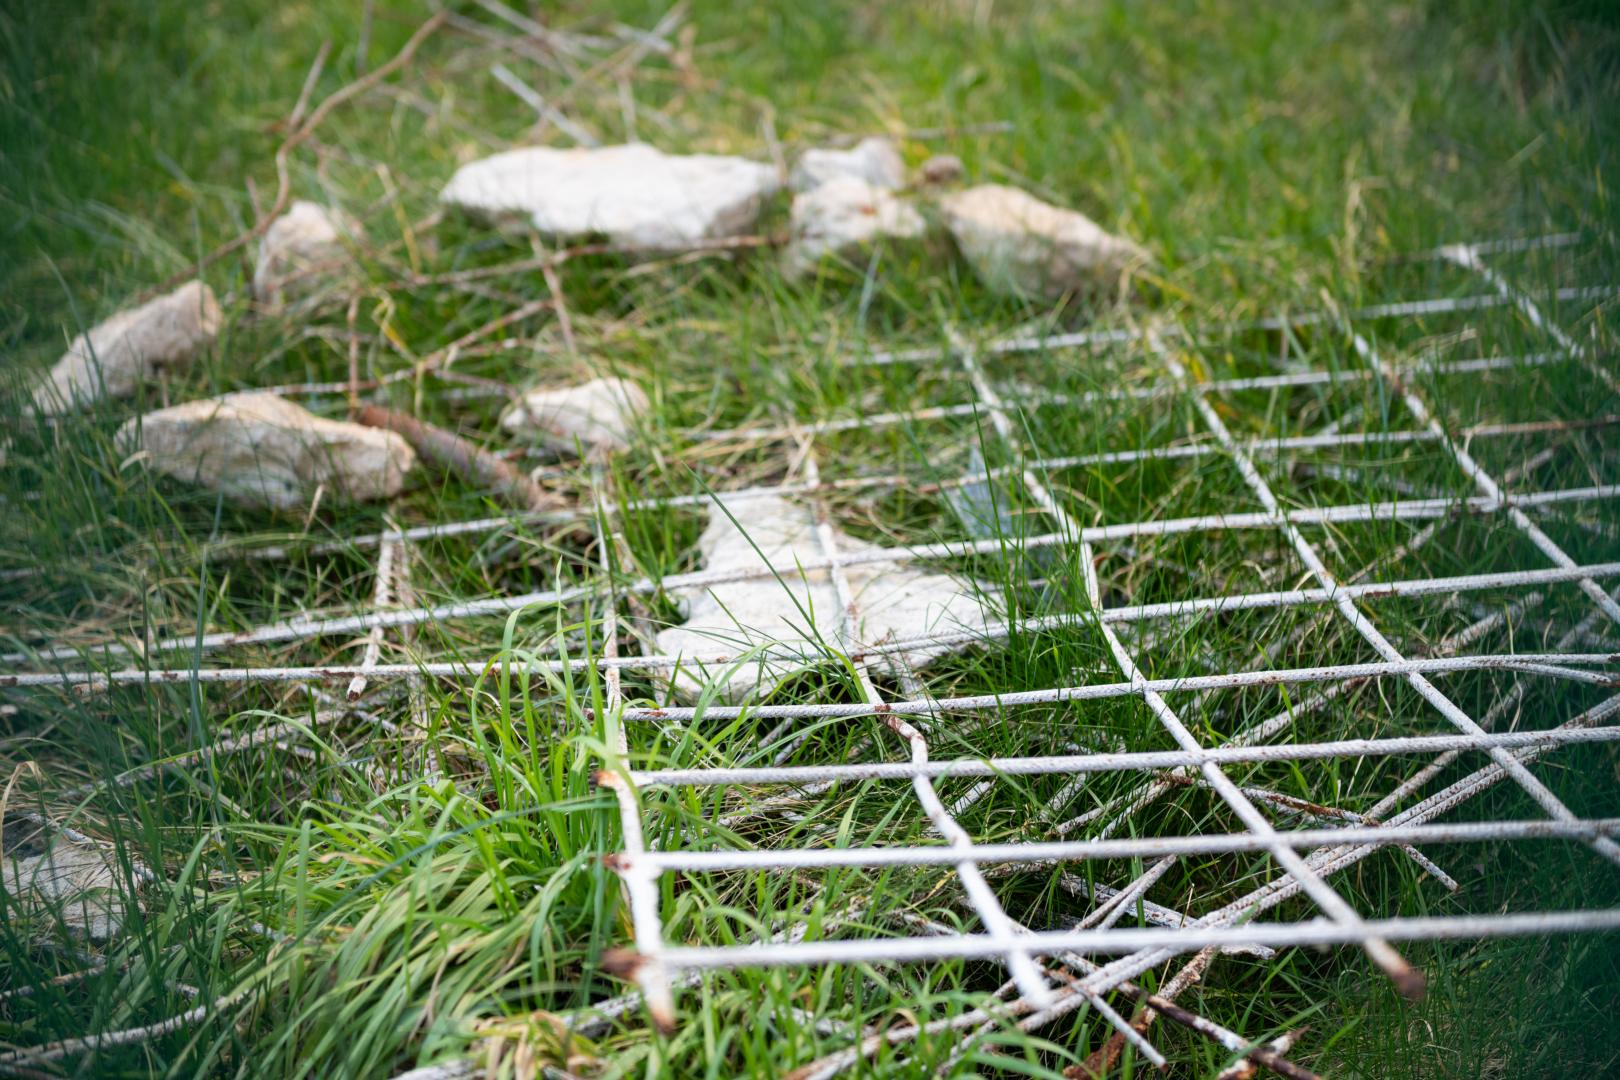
450 451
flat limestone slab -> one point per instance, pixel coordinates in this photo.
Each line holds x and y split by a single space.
298 244
873 159
599 415
893 601
632 194
1020 245
260 450
841 216
132 347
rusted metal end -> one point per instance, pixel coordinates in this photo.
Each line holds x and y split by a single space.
623 964
616 861
603 778
632 966
663 1015
1410 983
1099 1062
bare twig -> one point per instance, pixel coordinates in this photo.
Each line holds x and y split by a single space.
564 323
382 596
293 141
548 113
309 84
354 358
442 448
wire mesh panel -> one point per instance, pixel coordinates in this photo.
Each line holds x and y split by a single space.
1270 418
1185 620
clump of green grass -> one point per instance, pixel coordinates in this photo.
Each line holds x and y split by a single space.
429 866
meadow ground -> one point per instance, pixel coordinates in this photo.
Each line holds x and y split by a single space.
417 878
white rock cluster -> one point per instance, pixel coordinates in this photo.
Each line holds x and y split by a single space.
873 159
599 415
894 601
632 194
846 200
843 215
300 249
1019 245
260 450
119 354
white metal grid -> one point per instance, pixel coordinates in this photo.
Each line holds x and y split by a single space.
1040 998
1307 857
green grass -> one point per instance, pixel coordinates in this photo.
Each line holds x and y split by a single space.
1269 159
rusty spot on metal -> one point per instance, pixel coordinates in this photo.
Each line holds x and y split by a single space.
623 963
1308 807
616 861
1411 984
662 1019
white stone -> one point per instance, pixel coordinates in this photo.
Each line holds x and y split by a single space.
599 415
840 216
260 450
71 882
1018 244
940 169
892 601
873 159
131 347
300 242
631 194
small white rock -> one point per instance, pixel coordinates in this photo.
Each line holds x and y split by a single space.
940 169
70 881
120 353
1020 245
632 194
873 159
305 237
260 450
893 601
840 216
600 415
